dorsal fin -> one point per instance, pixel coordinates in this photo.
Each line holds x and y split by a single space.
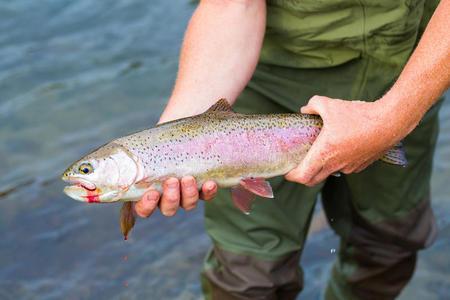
221 105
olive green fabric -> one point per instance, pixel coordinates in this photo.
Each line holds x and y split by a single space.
383 210
318 34
351 50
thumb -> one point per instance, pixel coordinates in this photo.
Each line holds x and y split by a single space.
308 109
309 167
315 105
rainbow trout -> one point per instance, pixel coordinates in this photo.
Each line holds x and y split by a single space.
234 150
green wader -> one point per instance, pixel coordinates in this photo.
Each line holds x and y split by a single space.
347 50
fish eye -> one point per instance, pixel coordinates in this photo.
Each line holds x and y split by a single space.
85 168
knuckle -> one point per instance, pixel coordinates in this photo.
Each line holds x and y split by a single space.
318 101
186 202
171 196
328 148
306 175
171 200
190 192
152 198
315 99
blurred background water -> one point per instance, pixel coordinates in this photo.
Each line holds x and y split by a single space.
75 74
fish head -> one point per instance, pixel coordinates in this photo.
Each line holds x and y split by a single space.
103 175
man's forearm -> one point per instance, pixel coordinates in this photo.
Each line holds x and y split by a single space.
426 75
219 55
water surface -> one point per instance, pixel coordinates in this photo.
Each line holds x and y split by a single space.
75 74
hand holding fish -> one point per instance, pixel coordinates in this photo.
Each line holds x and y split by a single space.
176 193
354 135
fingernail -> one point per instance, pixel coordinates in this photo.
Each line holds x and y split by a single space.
187 181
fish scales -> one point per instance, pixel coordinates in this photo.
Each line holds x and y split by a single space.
224 147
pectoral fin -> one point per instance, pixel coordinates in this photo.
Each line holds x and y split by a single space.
127 219
143 184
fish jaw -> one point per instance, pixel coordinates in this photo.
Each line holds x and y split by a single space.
85 191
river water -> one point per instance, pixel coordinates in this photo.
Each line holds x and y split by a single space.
75 74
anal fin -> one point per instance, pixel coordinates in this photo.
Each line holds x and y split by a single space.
242 198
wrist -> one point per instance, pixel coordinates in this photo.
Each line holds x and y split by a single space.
402 114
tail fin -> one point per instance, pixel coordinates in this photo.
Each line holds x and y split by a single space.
396 156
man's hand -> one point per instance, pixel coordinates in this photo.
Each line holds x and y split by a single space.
175 196
357 133
354 135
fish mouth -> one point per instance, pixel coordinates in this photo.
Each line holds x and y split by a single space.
85 191
80 193
87 185
82 190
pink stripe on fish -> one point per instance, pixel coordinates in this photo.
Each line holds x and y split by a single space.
247 146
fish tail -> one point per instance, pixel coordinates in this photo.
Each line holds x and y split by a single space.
396 156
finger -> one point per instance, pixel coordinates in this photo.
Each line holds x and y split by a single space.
189 193
314 105
361 168
349 169
209 190
315 160
148 203
320 177
170 200
303 174
308 110
313 163
364 165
